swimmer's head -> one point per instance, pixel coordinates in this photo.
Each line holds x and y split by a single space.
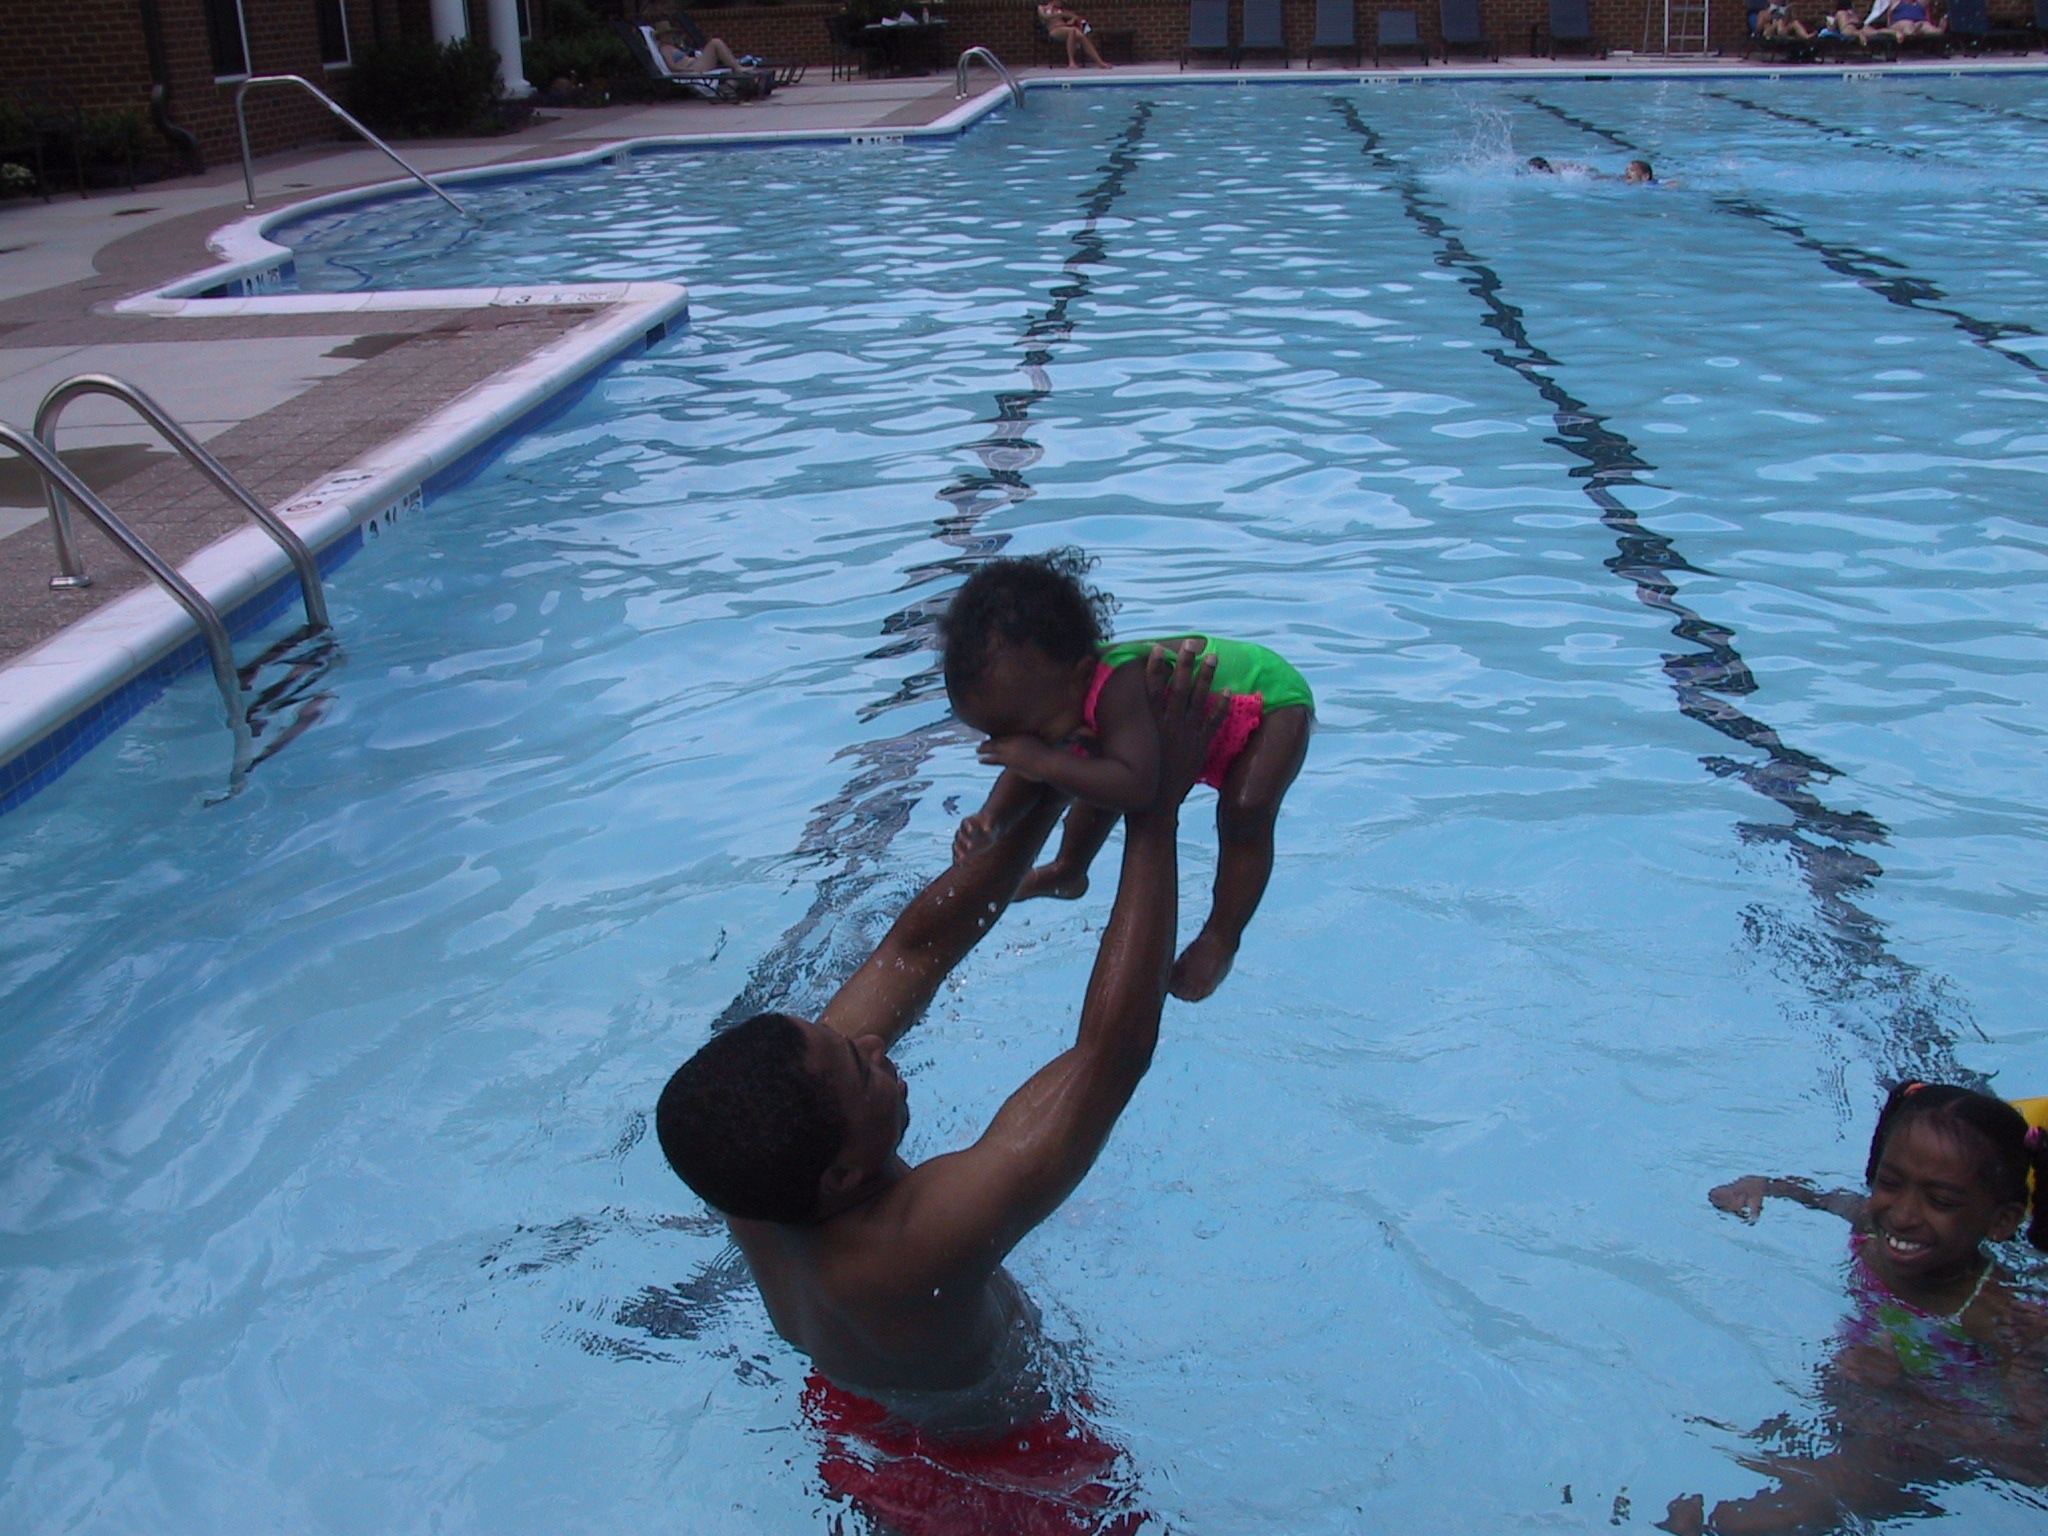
1948 1168
1638 171
1540 165
1020 645
782 1119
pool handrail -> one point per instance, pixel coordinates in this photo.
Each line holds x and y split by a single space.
249 163
54 470
72 567
994 63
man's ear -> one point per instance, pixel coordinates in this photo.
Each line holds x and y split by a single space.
2005 1222
842 1179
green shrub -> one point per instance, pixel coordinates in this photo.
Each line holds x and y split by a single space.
582 57
427 88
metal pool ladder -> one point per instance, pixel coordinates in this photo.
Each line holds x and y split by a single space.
62 489
983 56
249 165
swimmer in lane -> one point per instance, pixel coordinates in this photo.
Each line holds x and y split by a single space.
1636 173
1028 661
1937 1377
890 1277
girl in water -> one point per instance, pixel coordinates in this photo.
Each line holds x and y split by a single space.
1938 1377
1028 661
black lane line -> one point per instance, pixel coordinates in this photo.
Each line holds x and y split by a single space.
1832 130
1983 107
1822 841
857 826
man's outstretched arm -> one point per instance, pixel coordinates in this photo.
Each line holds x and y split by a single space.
961 1213
891 991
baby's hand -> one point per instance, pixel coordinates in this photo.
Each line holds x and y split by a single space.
1025 754
976 833
1744 1197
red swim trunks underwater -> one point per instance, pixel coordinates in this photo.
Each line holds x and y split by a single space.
1056 1477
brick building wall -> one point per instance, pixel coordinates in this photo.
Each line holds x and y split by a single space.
96 48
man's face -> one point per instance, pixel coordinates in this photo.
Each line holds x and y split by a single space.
871 1094
1929 1208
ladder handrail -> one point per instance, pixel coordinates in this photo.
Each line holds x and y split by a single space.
249 164
994 63
54 494
54 470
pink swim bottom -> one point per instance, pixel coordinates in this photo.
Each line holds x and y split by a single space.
1240 719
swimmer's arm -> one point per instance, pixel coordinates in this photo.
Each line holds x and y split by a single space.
1123 773
1745 1198
891 991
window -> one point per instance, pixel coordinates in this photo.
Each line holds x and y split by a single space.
333 18
228 39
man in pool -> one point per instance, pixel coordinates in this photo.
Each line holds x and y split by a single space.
890 1277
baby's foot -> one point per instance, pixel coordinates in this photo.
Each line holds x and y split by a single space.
1201 967
1054 881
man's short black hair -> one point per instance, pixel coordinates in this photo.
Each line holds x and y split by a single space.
1039 600
748 1125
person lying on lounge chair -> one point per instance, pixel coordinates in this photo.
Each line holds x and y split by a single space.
1907 18
713 55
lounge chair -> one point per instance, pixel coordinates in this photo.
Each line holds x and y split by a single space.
1337 30
1462 31
1571 28
711 84
1398 34
1263 32
1209 30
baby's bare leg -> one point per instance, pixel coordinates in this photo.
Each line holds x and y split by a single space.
1245 812
1066 877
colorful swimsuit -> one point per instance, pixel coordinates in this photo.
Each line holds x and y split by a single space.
1251 677
1932 1348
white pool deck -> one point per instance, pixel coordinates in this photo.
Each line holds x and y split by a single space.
83 289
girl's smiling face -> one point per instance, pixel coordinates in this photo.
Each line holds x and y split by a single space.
1931 1206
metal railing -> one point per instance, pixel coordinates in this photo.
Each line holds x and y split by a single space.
55 472
249 164
982 55
56 494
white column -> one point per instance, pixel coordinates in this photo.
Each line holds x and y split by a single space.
451 21
505 38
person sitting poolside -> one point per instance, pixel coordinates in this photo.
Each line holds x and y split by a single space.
1776 22
1064 26
890 1277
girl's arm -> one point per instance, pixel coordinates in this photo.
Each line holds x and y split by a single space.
1123 775
1745 1197
1011 797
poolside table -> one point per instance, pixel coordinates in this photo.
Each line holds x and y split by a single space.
907 48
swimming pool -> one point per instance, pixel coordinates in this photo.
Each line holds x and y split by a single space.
328 1199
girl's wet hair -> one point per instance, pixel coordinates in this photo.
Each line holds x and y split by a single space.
2000 1134
1037 600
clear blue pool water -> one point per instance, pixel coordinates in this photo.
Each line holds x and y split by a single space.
1669 567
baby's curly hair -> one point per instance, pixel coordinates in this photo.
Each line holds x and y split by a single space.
1038 600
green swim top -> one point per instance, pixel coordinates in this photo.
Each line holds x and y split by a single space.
1241 667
